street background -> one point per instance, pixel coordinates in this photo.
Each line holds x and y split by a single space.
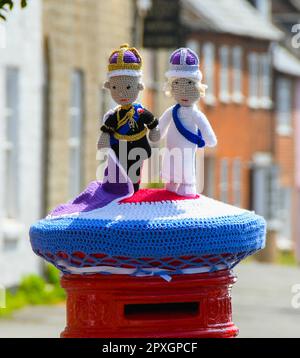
53 63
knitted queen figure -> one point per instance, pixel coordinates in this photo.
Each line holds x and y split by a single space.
125 128
186 128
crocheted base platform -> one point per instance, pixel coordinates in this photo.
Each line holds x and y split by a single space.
153 232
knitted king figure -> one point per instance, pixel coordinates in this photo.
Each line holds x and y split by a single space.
186 128
125 128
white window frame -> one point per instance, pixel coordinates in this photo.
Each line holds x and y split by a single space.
11 143
265 81
224 180
253 73
76 129
237 61
284 114
224 93
237 171
209 72
265 189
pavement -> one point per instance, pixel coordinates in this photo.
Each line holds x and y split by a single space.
262 307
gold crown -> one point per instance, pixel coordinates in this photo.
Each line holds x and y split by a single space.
116 59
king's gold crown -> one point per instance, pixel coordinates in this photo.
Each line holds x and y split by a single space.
126 58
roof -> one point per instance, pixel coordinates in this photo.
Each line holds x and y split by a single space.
296 3
286 62
236 17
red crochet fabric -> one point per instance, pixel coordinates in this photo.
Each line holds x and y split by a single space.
154 195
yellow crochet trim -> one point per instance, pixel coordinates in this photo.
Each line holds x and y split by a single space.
108 127
121 65
131 138
126 106
127 118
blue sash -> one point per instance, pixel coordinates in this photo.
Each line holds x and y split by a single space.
191 137
126 127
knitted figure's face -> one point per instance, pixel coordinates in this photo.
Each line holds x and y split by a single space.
185 91
124 89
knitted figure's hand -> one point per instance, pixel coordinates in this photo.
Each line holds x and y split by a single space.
154 134
104 141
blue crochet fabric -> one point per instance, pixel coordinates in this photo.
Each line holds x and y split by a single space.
170 246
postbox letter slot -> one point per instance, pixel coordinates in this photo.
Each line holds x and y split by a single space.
153 311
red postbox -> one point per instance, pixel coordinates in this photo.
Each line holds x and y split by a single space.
190 306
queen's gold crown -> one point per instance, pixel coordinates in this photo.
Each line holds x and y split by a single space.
126 58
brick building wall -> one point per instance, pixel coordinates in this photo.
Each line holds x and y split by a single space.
242 131
78 35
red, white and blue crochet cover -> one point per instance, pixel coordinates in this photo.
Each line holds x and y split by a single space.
108 229
153 232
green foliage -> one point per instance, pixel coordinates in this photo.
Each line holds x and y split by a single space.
52 275
34 290
7 5
287 258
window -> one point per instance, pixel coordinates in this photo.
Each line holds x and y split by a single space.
260 191
265 81
237 57
224 181
11 144
209 72
75 140
236 182
286 213
284 106
265 192
224 74
253 100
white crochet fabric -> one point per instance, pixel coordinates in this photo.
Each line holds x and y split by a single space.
132 73
199 208
192 118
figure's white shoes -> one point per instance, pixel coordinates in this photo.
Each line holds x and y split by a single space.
171 187
187 190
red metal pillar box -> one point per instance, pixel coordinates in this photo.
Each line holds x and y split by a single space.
189 306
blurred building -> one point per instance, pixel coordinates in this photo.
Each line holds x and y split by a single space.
52 71
286 97
234 45
78 37
252 102
21 124
286 73
286 61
